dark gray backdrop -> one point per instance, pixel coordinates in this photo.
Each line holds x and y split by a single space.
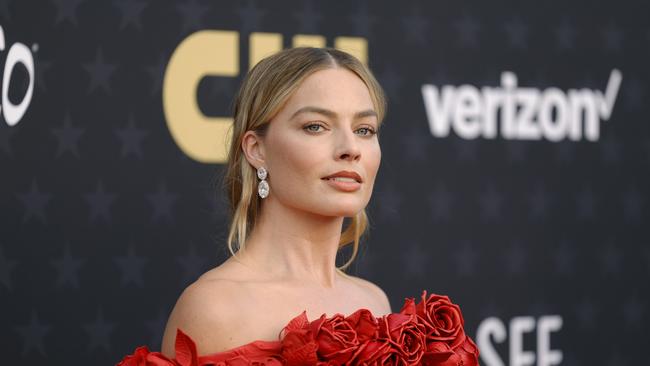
104 220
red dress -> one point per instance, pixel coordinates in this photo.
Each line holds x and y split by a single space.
430 332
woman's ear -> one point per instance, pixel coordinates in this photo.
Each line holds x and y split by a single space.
253 147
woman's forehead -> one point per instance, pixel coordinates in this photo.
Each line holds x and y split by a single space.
335 89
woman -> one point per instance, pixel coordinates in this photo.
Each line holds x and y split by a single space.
304 156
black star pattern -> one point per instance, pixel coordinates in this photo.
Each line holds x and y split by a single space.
491 202
157 73
632 204
565 34
222 88
586 204
611 150
565 151
131 11
587 312
131 267
250 17
6 267
41 68
308 18
131 138
611 259
100 203
515 258
67 268
217 205
33 334
564 258
391 81
540 307
516 151
156 328
634 92
5 12
491 77
192 265
518 227
100 73
362 21
415 142
633 312
67 137
516 32
6 133
466 257
569 358
440 201
414 260
466 150
612 38
540 80
490 309
387 203
588 81
468 29
99 332
539 201
440 76
191 13
66 10
34 202
615 359
162 202
367 263
416 27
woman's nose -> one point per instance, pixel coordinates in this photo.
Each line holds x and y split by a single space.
347 146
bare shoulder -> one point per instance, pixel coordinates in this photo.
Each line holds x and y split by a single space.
205 312
378 297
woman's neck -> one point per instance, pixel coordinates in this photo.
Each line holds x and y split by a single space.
293 245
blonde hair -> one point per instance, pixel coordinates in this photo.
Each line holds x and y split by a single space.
263 92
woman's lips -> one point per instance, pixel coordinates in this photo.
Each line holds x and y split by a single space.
344 184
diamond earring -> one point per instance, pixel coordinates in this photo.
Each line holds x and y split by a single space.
263 186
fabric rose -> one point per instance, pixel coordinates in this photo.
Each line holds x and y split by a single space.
298 343
406 336
245 361
374 352
468 352
257 353
364 323
186 354
143 357
335 338
446 341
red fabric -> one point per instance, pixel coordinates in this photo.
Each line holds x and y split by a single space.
429 333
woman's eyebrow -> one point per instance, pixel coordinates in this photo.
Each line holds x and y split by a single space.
331 114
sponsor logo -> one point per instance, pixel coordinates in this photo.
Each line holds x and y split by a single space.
216 53
519 113
18 54
492 330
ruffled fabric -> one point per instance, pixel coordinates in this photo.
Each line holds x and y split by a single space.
430 333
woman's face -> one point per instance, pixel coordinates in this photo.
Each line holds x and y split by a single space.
321 149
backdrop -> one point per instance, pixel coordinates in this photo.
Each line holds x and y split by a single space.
514 175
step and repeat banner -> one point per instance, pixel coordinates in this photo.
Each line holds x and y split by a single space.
515 173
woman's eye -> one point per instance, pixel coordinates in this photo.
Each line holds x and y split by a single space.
314 127
365 131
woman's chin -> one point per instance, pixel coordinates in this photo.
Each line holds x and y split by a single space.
343 210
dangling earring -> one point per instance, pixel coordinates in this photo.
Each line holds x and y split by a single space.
263 186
